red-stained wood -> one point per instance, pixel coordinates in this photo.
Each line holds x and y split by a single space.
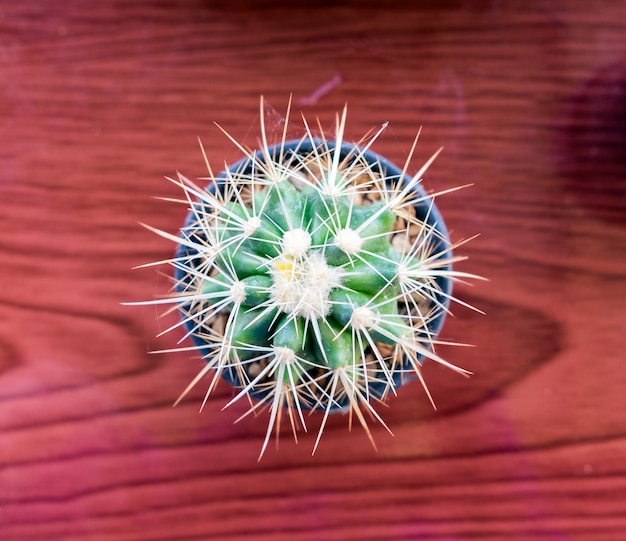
100 101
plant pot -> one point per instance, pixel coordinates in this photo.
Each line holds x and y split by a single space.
374 382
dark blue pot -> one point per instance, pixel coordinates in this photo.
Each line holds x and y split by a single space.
425 211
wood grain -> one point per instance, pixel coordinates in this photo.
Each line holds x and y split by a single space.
98 102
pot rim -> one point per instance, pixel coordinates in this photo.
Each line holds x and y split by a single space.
426 211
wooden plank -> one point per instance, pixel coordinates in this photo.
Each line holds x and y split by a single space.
99 102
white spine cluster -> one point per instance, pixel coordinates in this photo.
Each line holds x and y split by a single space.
301 285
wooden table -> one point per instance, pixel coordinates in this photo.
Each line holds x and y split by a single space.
100 101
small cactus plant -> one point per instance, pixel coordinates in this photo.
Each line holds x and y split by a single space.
312 275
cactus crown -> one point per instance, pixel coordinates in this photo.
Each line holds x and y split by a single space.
313 274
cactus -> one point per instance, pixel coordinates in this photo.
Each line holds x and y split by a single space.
312 275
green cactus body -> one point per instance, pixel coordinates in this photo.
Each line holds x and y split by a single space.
315 275
299 280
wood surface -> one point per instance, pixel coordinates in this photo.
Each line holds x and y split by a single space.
100 101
